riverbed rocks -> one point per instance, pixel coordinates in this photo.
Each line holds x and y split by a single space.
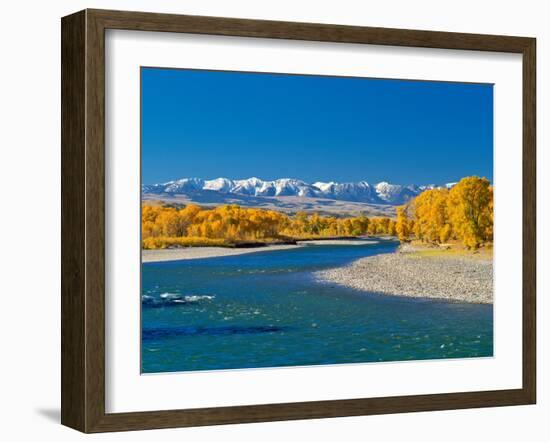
406 273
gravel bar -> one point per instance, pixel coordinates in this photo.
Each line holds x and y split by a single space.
177 254
461 279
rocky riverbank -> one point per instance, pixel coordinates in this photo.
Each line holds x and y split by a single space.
414 273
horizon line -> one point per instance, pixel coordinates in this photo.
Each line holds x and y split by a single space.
312 182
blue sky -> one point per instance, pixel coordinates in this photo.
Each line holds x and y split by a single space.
210 124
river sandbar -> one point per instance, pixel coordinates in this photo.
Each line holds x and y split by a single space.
451 278
161 255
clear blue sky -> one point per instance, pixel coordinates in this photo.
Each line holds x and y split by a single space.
233 124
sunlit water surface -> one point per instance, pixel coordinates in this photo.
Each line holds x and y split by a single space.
264 309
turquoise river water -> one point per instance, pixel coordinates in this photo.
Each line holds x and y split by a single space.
264 309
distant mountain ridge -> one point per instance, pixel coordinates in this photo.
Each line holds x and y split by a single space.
361 192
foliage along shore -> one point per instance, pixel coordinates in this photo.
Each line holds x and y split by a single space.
463 214
235 226
180 242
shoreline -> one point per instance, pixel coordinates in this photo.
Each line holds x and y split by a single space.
337 242
185 253
412 272
407 273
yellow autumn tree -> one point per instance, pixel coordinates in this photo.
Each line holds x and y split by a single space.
165 226
470 210
402 225
464 213
430 214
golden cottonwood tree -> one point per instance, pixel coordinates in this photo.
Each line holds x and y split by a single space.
470 211
430 214
464 213
402 225
192 225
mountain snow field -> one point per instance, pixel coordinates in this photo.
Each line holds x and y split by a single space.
362 192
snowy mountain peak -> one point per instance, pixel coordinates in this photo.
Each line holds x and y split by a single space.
381 193
219 184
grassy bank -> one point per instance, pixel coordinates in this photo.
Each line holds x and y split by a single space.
418 249
166 242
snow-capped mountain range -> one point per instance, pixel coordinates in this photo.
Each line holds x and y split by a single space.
362 191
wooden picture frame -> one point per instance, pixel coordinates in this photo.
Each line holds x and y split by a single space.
83 220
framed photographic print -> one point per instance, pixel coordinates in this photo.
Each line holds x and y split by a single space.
270 220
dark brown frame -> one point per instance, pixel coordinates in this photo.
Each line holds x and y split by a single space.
83 216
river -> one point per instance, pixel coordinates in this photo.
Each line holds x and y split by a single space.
265 309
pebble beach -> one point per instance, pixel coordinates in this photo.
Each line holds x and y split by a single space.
407 273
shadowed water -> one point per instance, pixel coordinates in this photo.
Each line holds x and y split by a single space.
264 309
